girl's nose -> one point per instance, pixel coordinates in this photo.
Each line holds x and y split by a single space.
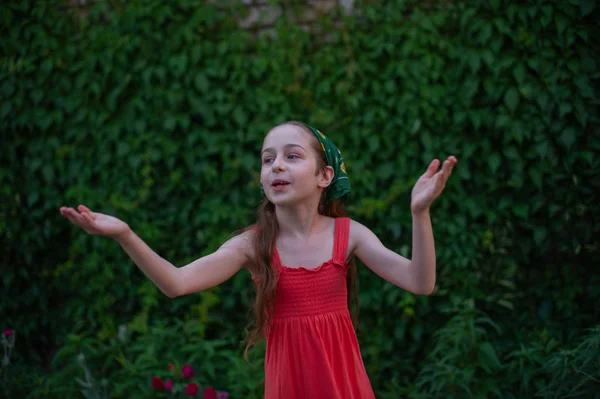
278 164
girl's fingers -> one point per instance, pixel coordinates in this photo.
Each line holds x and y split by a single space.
84 210
72 219
88 218
432 168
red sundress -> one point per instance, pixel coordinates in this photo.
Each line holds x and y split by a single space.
312 349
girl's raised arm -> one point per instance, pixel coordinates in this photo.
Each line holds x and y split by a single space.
386 263
206 272
416 275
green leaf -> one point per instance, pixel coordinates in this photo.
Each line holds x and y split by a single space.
536 177
561 22
474 62
568 137
564 108
178 64
584 86
37 95
503 121
511 99
587 6
519 73
493 162
48 173
521 210
542 100
488 356
539 235
506 304
488 58
169 123
239 116
201 83
485 33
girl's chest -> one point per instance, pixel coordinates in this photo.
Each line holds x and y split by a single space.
307 254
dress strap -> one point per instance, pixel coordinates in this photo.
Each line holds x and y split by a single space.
340 243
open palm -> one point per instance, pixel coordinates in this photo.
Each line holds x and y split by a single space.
95 223
431 184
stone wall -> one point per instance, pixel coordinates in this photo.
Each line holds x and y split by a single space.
258 16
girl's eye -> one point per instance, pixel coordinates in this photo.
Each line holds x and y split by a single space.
267 160
293 156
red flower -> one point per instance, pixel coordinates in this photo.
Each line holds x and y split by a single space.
210 393
157 383
191 389
168 385
187 371
171 366
8 332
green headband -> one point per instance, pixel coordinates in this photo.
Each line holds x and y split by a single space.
340 185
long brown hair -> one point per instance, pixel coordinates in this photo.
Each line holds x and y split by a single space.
266 231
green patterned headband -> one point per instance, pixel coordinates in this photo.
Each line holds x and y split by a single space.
340 185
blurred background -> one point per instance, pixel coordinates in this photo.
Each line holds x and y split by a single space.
155 112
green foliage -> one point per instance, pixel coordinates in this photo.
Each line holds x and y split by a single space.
131 359
155 112
575 372
463 363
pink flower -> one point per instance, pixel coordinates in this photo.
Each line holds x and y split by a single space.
8 332
222 395
168 385
187 371
157 383
210 393
191 389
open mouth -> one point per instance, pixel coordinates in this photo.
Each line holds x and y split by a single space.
279 183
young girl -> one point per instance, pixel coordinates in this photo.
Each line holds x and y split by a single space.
300 255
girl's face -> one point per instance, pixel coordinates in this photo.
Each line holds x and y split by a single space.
289 167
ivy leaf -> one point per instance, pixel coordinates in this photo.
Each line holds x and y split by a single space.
519 73
561 22
201 83
485 33
568 137
239 116
586 7
536 178
539 235
511 99
521 210
494 162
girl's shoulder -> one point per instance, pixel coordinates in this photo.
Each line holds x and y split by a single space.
243 242
358 233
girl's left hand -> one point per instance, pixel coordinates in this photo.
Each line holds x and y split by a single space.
431 184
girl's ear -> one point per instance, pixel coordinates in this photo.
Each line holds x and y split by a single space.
326 176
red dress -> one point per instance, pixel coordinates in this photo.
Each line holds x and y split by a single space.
312 351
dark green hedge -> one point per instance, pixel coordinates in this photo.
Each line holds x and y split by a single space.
155 112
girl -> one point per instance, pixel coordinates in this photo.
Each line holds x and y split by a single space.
300 255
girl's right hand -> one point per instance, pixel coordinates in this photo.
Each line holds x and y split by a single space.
96 223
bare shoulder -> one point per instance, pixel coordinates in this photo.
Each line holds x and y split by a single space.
243 244
358 233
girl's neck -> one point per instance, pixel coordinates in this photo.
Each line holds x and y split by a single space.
299 220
